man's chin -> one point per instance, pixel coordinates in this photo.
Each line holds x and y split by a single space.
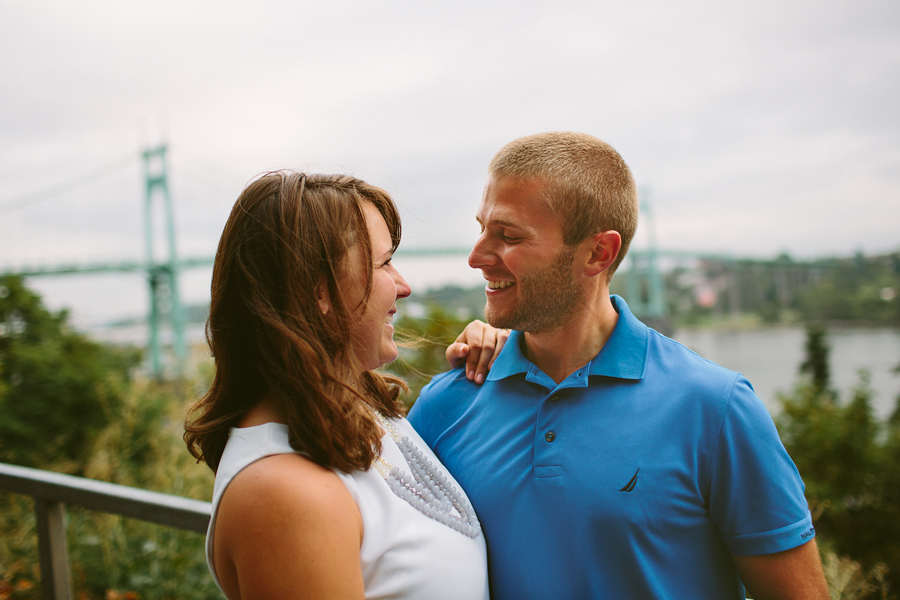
499 320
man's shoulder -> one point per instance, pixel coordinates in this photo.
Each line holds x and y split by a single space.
445 397
448 382
677 367
664 349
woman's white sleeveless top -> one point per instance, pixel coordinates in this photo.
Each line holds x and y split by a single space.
404 554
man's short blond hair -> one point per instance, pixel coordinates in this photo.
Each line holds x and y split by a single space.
589 185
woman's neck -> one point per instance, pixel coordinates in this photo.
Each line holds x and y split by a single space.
265 411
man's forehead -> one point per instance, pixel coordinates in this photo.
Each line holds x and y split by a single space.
498 213
513 201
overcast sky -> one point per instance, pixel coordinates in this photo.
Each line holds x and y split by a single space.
768 127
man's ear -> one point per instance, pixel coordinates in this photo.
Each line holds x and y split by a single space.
323 298
604 248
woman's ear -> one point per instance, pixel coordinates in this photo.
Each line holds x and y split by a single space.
323 298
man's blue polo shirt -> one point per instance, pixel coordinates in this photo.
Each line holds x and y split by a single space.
633 478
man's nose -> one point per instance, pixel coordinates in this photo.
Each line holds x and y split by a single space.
480 255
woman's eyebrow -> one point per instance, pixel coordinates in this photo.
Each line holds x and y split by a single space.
385 255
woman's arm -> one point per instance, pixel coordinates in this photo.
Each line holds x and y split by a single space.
288 528
478 345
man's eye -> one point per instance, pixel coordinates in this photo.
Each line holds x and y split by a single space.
509 239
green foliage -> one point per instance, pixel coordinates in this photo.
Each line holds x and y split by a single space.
858 289
848 580
466 303
848 460
816 362
70 404
422 347
125 555
58 388
833 445
110 556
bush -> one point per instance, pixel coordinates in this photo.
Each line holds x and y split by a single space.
69 404
58 388
848 461
113 557
423 346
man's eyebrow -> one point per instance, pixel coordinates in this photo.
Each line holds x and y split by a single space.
502 223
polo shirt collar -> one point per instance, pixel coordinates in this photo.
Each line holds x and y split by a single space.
624 355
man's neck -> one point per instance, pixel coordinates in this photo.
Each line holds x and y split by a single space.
562 351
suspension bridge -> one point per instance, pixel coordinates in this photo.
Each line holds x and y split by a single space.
161 266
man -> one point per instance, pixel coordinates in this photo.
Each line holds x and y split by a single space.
604 459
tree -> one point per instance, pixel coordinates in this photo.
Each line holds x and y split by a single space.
816 362
848 466
58 388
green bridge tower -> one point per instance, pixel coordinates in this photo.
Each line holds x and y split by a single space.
644 288
162 275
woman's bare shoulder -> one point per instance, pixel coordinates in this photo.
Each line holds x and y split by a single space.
286 486
286 521
274 476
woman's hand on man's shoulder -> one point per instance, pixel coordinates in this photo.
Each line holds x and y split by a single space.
476 347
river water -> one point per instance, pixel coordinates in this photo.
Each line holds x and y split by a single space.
770 358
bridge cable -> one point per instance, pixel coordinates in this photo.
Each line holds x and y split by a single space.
58 189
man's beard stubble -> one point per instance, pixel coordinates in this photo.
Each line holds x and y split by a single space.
545 298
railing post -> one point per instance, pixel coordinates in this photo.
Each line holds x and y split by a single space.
53 491
56 582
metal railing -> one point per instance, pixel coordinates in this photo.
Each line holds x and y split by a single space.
53 491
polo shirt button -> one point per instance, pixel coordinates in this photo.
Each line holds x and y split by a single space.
550 436
554 398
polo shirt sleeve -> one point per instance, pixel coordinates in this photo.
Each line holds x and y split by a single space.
756 495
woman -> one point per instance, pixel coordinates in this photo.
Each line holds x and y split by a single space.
303 294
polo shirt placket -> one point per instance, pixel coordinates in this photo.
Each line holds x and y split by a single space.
550 424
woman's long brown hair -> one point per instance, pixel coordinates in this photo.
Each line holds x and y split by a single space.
286 240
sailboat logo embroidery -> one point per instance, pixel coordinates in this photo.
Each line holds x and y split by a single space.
633 482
